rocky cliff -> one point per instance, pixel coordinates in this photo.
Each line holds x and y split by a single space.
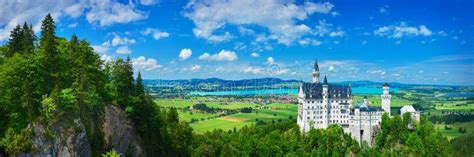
119 132
59 141
72 141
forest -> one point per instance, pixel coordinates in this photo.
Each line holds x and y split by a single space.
53 81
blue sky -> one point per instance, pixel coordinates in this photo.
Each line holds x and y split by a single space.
429 42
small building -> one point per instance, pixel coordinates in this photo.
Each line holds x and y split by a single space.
415 115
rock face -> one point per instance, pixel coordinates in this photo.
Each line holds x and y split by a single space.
71 141
119 132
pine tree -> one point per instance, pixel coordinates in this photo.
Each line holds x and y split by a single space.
14 44
28 39
51 57
139 88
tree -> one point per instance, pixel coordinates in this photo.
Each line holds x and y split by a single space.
139 88
172 116
50 58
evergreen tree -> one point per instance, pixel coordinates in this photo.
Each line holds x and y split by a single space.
14 43
28 38
51 57
139 88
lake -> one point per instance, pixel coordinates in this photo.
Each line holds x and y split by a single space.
355 90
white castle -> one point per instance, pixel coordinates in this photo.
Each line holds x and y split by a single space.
321 105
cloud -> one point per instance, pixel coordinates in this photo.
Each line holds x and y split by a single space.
103 48
72 25
141 63
399 31
210 17
223 55
379 71
195 68
255 55
384 9
156 34
270 61
103 12
308 41
107 12
185 54
323 29
106 58
253 70
337 34
323 8
148 2
123 50
117 40
331 68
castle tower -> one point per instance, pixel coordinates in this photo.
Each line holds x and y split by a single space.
386 98
316 72
326 101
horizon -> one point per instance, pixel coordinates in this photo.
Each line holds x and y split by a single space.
382 41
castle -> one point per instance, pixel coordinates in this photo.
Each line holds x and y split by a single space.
322 104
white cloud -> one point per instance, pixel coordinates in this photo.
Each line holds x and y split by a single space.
102 12
141 63
103 48
72 25
107 12
331 68
123 50
223 55
270 61
323 8
308 41
148 2
210 16
117 40
364 42
106 58
384 9
195 68
337 34
253 70
255 54
398 31
379 71
156 34
185 54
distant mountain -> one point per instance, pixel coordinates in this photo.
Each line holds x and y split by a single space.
267 82
220 82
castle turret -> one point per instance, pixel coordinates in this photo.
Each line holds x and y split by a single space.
316 72
366 102
386 97
326 102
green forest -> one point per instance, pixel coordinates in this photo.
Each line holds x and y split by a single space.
55 82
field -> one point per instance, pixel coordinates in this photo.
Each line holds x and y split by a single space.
183 103
272 112
454 132
375 100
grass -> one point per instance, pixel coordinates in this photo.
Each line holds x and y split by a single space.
182 103
454 132
274 112
375 100
188 115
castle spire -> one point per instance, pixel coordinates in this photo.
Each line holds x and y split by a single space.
325 80
316 72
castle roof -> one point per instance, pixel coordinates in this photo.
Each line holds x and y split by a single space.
365 108
385 84
315 91
316 66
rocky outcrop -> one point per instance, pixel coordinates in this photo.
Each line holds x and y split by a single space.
59 141
69 139
119 132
